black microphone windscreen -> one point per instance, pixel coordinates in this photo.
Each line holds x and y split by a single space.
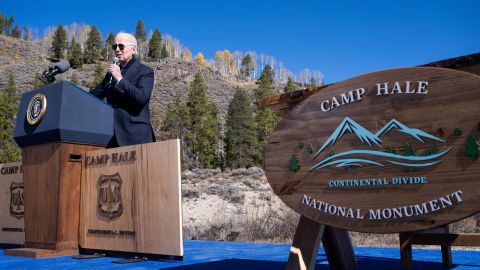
63 66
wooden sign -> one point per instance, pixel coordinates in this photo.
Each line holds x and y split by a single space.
131 200
390 151
12 207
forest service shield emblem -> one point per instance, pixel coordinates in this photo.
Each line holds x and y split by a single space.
17 207
109 196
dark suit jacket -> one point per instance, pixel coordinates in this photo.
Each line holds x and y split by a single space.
130 99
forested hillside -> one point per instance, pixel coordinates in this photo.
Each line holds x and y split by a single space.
192 96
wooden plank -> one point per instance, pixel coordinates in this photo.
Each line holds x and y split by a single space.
453 239
445 248
12 207
431 237
41 174
304 250
52 195
147 179
449 191
338 249
39 253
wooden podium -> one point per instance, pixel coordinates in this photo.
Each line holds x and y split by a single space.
53 140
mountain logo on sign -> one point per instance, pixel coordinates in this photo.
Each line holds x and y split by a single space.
378 157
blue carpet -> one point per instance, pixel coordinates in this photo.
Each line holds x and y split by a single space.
203 255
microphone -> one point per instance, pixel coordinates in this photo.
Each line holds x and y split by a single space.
48 76
115 61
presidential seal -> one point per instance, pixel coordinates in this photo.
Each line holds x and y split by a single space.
17 206
36 108
109 196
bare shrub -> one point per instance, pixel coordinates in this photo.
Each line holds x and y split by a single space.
374 239
468 225
254 225
268 225
190 193
227 192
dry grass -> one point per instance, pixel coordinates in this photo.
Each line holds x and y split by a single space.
266 225
253 225
468 225
249 211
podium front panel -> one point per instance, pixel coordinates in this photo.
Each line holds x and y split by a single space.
130 199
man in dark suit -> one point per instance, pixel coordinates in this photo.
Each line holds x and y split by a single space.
128 88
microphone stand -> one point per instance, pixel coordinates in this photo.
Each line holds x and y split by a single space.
47 77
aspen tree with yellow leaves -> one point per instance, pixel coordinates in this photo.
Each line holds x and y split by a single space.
186 55
200 59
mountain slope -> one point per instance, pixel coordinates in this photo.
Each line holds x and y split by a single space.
24 59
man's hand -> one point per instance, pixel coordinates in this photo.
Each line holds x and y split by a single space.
115 71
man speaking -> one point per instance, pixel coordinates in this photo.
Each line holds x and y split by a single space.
128 88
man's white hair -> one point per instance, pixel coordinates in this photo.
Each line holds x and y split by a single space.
129 37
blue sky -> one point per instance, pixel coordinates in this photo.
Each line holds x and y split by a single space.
342 39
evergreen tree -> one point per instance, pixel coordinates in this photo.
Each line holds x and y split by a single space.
294 167
164 53
247 66
26 34
265 118
108 53
267 74
98 76
313 82
240 137
59 42
266 83
140 33
9 98
93 47
175 117
175 123
74 79
472 147
37 83
202 124
5 24
155 45
2 22
75 56
16 32
409 150
291 86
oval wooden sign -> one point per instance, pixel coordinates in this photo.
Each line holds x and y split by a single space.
390 151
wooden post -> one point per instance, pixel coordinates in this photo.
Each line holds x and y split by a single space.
405 252
409 238
338 249
306 242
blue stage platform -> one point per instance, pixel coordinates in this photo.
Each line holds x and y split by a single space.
203 255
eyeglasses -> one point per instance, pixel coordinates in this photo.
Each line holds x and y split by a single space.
120 46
